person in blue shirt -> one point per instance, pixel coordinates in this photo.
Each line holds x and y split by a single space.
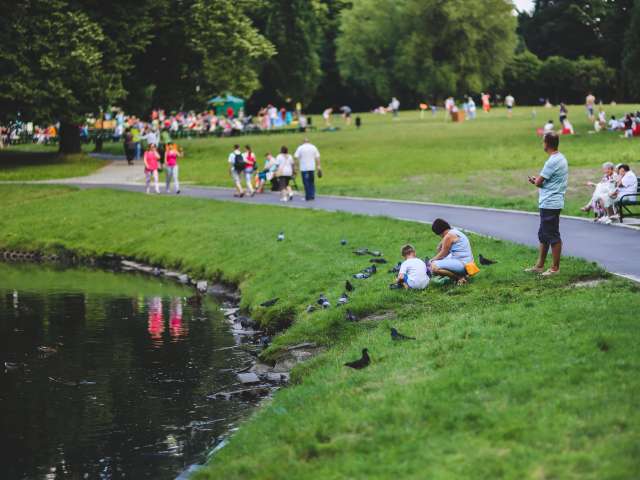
552 185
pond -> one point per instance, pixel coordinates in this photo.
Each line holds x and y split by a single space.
106 375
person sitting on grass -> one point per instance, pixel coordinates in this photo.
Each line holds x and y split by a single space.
454 253
413 271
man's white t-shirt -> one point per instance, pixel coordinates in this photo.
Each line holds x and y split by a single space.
509 100
628 186
307 154
285 165
416 273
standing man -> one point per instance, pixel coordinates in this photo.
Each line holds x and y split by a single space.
552 183
308 158
589 104
509 101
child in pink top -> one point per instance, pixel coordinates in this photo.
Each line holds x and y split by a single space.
151 158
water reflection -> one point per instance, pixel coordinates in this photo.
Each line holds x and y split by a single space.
124 395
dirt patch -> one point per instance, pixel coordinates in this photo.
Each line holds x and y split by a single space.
592 283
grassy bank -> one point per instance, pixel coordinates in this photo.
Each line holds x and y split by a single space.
511 376
18 164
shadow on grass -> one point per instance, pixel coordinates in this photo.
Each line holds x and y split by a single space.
18 159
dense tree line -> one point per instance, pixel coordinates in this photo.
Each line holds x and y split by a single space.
61 59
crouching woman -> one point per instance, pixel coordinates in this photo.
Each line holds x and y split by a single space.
454 258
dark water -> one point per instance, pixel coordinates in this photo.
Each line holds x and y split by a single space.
120 388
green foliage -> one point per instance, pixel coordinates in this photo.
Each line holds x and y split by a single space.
631 60
294 28
522 76
51 62
426 47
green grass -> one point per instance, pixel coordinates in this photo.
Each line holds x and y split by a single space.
18 164
512 376
483 162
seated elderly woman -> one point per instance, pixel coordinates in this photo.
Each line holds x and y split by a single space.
601 200
454 253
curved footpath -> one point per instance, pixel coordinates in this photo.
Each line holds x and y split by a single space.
614 247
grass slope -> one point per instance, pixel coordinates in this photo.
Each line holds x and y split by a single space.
511 376
17 164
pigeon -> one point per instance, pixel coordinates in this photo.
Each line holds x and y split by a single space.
350 317
375 253
344 298
323 301
281 236
378 260
361 276
311 308
427 260
348 287
361 363
343 242
361 251
370 269
485 261
270 303
395 286
396 336
395 269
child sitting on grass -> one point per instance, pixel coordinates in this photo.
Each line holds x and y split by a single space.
413 271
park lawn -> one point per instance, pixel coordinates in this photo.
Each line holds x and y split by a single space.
483 162
19 164
512 376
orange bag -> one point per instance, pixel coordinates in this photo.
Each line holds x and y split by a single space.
471 268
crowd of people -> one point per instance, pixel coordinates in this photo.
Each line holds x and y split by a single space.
280 171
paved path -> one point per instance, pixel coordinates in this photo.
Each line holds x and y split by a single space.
616 248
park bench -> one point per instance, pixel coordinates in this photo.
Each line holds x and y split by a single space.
625 211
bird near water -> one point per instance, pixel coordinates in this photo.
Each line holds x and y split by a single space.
348 286
378 260
362 362
323 301
350 316
370 270
486 261
397 336
270 303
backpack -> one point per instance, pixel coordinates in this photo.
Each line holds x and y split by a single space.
238 163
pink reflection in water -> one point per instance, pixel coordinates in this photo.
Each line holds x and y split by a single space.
156 320
177 328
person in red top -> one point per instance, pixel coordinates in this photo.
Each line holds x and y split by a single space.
249 168
151 158
229 113
171 155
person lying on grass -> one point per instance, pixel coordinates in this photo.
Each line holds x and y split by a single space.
413 271
454 258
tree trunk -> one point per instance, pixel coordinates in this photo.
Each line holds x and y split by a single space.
69 138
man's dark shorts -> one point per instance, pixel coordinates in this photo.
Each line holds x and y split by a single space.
549 232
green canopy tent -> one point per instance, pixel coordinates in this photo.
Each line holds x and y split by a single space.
222 103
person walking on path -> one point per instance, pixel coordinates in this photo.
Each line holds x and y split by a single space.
552 184
151 158
129 146
308 158
236 167
249 168
172 152
284 173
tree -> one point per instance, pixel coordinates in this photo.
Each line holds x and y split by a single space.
420 47
631 59
567 28
522 76
293 27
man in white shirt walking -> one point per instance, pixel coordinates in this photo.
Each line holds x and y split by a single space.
308 158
